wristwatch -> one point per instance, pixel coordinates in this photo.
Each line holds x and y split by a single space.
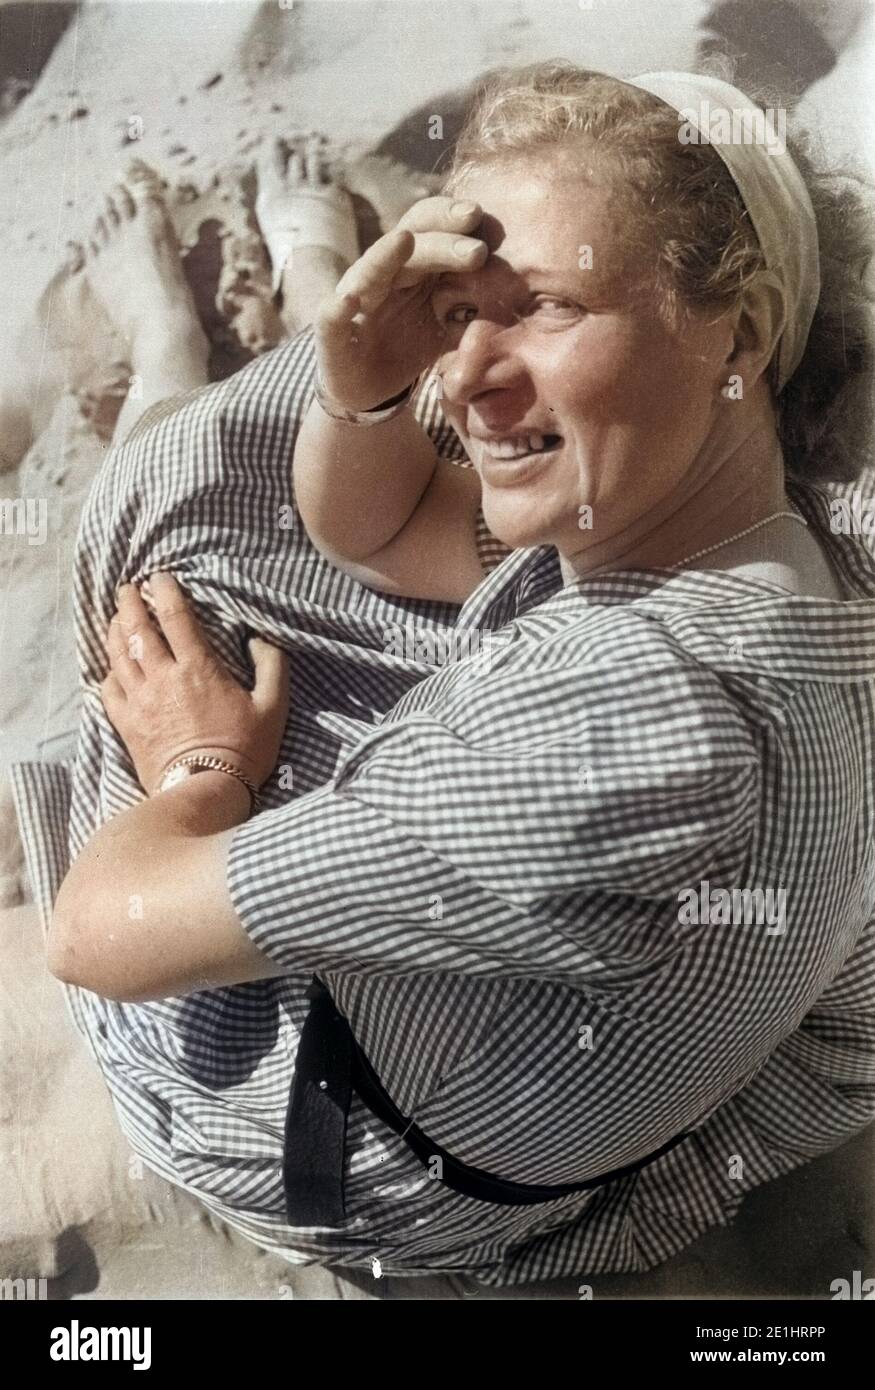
182 768
179 772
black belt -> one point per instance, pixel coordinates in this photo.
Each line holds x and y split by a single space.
330 1066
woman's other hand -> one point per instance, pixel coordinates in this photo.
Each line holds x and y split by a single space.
167 695
378 332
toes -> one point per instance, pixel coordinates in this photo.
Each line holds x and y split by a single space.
119 205
138 169
295 172
279 158
144 191
314 161
285 168
74 257
121 196
270 168
143 182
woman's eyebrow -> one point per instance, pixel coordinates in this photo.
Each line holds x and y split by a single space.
560 277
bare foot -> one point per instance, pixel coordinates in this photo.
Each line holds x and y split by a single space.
68 343
308 223
118 311
133 265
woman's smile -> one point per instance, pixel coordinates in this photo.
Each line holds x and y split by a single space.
507 460
566 384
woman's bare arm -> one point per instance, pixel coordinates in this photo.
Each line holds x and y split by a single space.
145 912
375 498
382 506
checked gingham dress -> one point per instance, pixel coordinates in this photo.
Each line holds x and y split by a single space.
483 857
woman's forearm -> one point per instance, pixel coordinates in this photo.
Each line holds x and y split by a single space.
357 487
310 275
124 888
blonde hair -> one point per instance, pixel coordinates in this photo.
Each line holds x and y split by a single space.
689 217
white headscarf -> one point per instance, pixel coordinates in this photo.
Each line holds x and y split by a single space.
773 191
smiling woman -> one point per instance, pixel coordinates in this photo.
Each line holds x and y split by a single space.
649 325
438 1005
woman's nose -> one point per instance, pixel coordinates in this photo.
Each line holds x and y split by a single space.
479 362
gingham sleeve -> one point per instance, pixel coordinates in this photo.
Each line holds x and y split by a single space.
431 418
468 842
489 548
427 409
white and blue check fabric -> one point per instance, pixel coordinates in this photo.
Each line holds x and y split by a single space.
483 858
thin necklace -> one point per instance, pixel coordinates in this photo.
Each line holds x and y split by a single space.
706 550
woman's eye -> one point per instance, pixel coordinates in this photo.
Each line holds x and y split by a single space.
555 307
460 313
550 305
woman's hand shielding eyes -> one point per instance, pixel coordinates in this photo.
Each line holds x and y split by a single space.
167 694
378 332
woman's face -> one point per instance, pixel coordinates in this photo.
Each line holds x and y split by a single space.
562 379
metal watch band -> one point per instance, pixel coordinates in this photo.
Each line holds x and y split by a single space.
205 763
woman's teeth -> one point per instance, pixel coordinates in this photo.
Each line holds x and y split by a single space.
520 445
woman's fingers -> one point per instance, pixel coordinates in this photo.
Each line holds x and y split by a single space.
401 259
271 689
144 644
112 694
178 622
123 666
441 214
443 228
116 642
334 317
371 278
437 253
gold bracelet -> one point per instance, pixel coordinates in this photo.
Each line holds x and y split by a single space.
182 768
